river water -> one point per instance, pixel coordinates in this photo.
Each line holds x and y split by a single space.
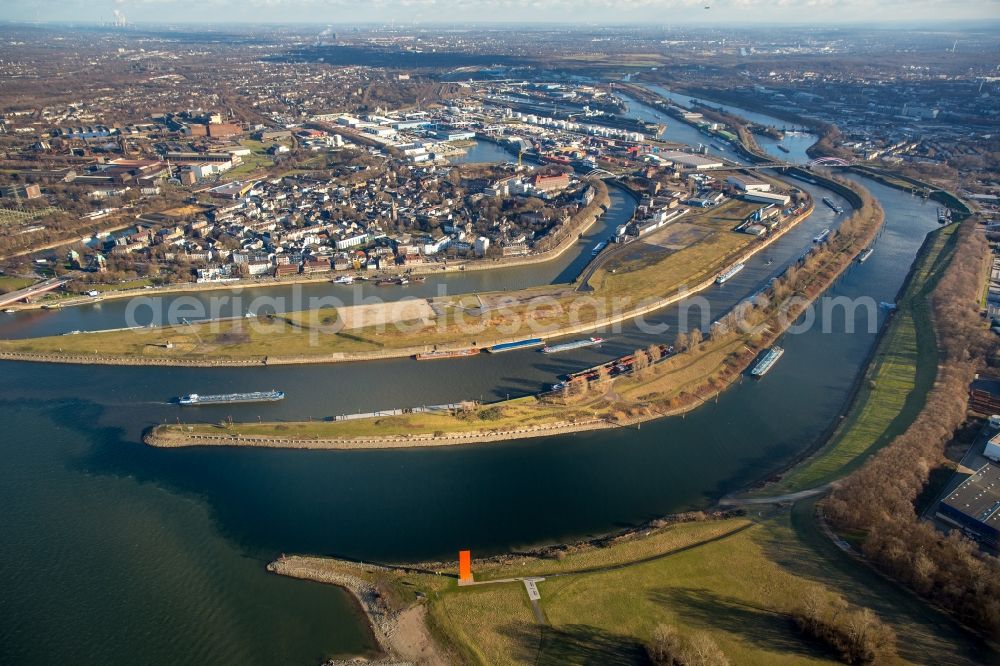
113 552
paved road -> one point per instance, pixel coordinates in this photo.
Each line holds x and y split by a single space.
775 499
598 261
534 596
531 582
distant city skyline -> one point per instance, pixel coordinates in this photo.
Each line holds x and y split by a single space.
611 12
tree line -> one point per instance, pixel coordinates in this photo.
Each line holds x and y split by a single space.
878 500
854 635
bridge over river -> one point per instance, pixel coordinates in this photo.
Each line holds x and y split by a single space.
36 289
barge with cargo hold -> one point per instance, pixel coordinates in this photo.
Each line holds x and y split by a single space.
446 353
614 368
833 205
229 398
513 346
767 362
576 344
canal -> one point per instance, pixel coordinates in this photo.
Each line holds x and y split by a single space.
118 553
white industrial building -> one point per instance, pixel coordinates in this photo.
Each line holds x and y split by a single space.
747 184
689 161
993 448
768 198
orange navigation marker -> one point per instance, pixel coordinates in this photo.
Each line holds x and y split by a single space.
464 566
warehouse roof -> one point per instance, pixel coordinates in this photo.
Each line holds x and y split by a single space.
979 496
689 160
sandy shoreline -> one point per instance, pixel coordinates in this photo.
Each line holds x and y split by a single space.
401 633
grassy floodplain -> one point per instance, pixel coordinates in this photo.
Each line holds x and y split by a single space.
657 267
736 579
895 384
9 283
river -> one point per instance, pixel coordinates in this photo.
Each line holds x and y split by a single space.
118 553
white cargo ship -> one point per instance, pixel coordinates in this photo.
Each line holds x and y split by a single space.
576 344
729 272
767 361
227 398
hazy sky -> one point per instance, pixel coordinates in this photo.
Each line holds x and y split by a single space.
662 12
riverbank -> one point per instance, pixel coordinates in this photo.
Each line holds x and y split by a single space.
874 508
893 388
723 573
294 338
661 387
398 624
887 177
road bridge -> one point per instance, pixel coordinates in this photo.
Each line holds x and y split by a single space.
36 289
601 173
821 162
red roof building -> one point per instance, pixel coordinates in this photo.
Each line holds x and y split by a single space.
547 183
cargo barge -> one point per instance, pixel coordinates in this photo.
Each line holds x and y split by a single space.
576 344
782 148
453 353
767 362
229 398
391 281
513 346
618 366
833 205
729 272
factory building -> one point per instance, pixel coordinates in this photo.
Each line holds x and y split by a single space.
689 161
768 198
975 505
747 184
984 395
992 450
454 135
